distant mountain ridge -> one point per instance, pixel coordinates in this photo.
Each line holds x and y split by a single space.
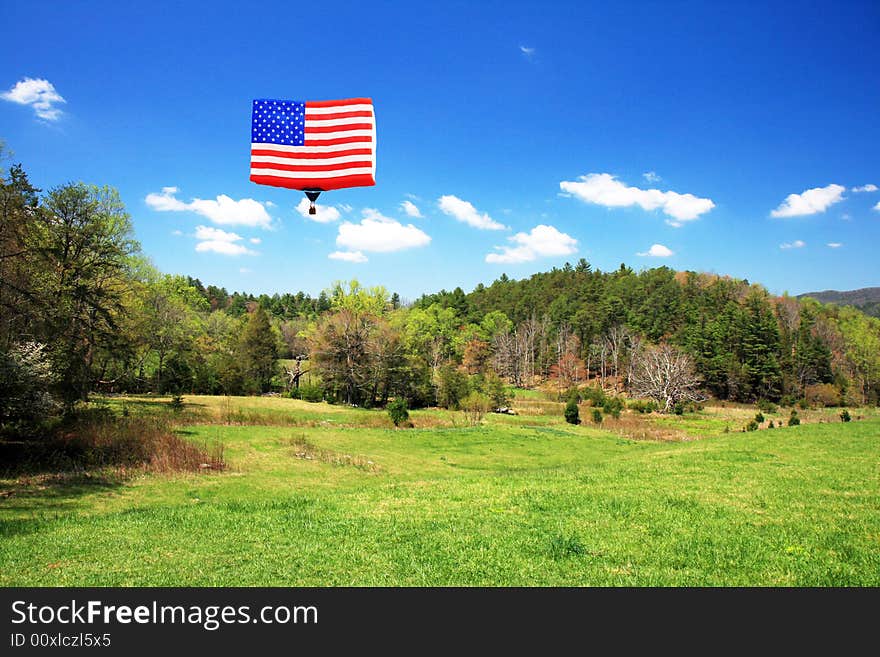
866 299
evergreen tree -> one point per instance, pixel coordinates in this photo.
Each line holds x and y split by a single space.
258 350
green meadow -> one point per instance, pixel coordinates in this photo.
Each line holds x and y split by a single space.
320 495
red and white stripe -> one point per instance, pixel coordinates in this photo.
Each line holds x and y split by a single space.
339 150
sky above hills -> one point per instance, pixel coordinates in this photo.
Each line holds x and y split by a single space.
512 137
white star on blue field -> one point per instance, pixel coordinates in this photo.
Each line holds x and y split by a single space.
738 139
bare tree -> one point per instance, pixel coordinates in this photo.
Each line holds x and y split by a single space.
666 374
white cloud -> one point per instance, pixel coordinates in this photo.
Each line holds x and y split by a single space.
326 214
224 248
348 256
527 51
658 251
379 234
222 210
811 201
255 240
39 94
797 244
651 177
345 207
244 270
209 233
466 213
604 189
541 241
413 197
865 188
177 233
269 204
835 245
877 207
411 209
219 241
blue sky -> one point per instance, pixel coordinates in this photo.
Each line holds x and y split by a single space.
526 135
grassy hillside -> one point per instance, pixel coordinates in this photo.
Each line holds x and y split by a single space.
320 495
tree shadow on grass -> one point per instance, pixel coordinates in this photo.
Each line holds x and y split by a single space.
29 502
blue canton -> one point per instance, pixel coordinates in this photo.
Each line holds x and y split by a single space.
278 122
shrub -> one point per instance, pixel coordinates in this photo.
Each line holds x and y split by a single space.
593 394
308 392
803 404
475 407
752 426
793 419
612 406
766 405
397 411
771 425
597 416
176 403
642 405
844 415
493 387
759 417
678 409
452 388
822 394
572 414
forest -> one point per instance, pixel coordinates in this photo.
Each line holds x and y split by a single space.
84 311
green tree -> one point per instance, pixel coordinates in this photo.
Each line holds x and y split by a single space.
258 350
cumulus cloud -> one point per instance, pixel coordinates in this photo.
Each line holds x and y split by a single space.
223 210
658 251
877 207
835 245
811 201
348 256
37 93
411 209
797 244
541 241
326 214
378 234
651 177
865 188
604 189
220 241
466 213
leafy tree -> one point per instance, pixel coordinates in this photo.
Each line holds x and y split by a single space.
258 350
572 414
397 411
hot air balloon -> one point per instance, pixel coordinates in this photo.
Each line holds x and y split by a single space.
313 146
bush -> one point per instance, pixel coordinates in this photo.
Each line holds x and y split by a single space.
572 414
308 392
176 403
759 417
475 407
397 411
452 388
678 409
593 394
612 406
844 415
822 394
771 425
597 416
493 387
752 426
766 405
642 405
793 419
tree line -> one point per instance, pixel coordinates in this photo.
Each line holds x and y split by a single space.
84 310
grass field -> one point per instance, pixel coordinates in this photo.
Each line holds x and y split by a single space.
326 495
